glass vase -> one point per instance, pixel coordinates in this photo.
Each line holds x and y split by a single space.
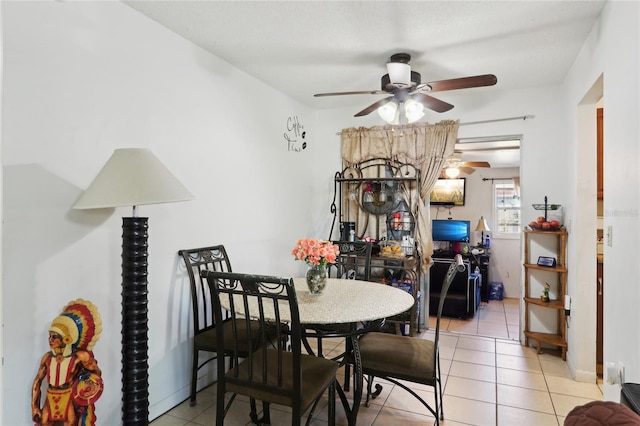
316 279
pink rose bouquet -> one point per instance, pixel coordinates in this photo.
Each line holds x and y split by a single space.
315 252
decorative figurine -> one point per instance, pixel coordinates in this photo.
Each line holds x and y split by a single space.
545 296
74 381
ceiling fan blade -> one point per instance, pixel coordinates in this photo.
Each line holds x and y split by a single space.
431 102
476 164
373 107
461 83
363 92
467 170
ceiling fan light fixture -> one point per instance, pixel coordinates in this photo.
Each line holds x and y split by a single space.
389 112
399 74
452 172
414 110
401 82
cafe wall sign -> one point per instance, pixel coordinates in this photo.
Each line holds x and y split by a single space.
295 135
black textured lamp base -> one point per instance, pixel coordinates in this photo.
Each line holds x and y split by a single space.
135 365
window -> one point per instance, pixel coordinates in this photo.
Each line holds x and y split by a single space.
506 202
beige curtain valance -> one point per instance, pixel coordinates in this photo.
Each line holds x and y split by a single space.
425 146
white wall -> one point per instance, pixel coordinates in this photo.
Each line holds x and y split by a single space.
84 78
610 53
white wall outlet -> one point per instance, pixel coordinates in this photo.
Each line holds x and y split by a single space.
615 373
612 373
610 235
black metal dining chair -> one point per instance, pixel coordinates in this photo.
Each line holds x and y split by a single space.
353 262
399 359
272 373
212 258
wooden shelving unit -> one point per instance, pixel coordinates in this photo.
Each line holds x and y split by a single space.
559 338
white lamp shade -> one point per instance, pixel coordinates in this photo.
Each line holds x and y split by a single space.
132 177
399 73
389 112
414 110
482 225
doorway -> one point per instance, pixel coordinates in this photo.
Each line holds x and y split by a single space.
588 207
599 236
486 199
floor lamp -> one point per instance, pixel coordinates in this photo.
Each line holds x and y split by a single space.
133 177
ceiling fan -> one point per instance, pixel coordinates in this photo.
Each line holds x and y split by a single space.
409 94
454 165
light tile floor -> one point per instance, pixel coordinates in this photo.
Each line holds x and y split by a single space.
487 381
496 318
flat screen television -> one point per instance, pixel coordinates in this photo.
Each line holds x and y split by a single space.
448 192
451 230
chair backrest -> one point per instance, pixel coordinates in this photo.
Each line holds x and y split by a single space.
272 302
213 258
353 262
456 267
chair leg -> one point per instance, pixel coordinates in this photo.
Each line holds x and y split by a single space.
332 404
266 414
436 404
220 407
347 367
296 415
313 408
254 411
194 377
440 408
369 382
375 393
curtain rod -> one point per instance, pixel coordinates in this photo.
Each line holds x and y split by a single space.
492 179
521 117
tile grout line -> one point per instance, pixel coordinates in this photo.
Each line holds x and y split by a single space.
495 372
546 383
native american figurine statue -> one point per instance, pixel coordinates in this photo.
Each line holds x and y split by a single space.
74 380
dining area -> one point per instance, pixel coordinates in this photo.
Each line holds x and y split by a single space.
286 349
83 79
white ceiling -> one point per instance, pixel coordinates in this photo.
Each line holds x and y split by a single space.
305 47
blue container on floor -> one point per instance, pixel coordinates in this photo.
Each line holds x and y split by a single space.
496 290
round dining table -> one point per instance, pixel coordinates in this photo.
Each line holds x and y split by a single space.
346 304
350 302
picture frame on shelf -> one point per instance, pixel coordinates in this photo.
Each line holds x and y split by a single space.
546 261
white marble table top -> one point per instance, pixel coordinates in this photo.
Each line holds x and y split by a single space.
347 301
343 301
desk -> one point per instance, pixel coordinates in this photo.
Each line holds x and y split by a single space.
348 302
